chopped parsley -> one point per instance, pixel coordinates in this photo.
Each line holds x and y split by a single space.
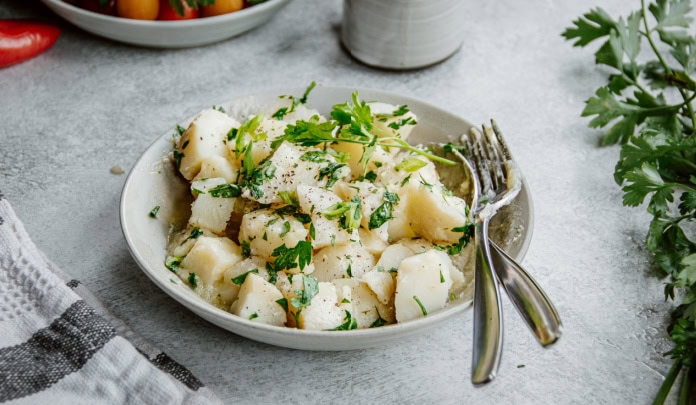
246 248
286 229
177 158
226 191
193 280
195 233
154 211
411 164
310 288
379 321
239 280
283 302
180 130
289 258
173 263
331 172
253 181
253 316
454 249
383 213
348 213
420 304
289 197
442 277
348 324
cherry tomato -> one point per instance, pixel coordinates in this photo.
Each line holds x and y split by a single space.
222 7
24 39
96 6
138 9
167 12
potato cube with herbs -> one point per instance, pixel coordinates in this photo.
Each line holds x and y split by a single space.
204 138
258 302
422 284
211 213
342 261
328 231
367 309
264 231
210 257
323 311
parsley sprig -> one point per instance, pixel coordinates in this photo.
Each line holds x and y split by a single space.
352 123
658 147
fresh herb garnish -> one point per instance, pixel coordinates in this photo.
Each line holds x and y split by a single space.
355 125
289 258
177 158
283 302
331 172
411 165
195 233
348 322
193 280
383 213
239 280
173 263
225 191
420 304
379 321
348 213
154 211
658 153
280 114
310 288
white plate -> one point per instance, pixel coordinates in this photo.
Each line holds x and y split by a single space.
153 181
168 34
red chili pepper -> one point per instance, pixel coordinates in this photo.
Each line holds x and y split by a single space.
24 39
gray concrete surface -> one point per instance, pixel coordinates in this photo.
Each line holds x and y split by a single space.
88 104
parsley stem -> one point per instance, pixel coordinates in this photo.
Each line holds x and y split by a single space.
668 70
667 384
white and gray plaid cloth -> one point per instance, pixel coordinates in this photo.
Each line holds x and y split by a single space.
59 345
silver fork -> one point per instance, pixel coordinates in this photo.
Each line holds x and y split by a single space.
499 182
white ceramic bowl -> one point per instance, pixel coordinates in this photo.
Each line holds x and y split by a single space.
168 34
153 181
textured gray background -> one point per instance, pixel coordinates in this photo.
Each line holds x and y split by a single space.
68 116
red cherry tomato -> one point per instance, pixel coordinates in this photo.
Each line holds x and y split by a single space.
109 8
169 13
24 39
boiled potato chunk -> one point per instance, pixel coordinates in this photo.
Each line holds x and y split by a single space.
392 257
374 241
211 213
434 217
387 115
343 261
290 171
258 302
367 309
422 279
210 257
265 230
204 138
217 167
229 289
327 232
381 283
323 312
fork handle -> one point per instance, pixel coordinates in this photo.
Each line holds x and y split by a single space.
488 315
528 298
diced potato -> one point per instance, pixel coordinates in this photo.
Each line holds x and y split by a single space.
371 197
422 279
434 215
323 312
271 129
373 241
355 152
327 232
265 230
182 242
344 261
417 245
258 302
217 166
386 116
381 283
367 308
210 257
392 257
204 138
202 186
288 287
229 288
291 171
211 213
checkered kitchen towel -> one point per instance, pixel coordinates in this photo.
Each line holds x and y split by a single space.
59 345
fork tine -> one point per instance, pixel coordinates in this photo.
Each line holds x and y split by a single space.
481 160
501 141
495 166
